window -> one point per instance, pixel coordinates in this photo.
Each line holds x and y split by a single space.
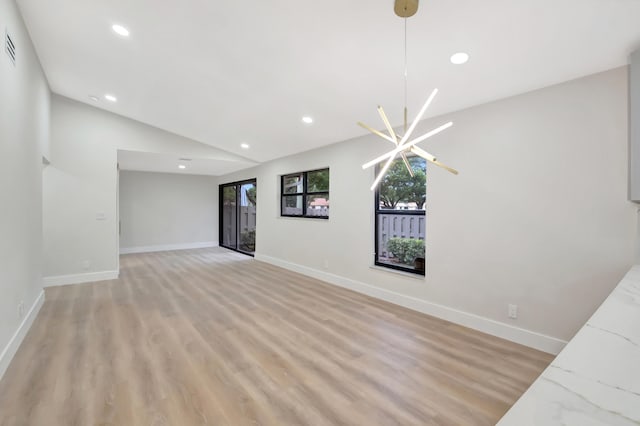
305 194
400 217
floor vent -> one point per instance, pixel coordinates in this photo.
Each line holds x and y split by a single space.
9 47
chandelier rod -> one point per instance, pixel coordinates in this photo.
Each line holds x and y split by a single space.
406 73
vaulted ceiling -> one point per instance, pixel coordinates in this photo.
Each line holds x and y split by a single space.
231 72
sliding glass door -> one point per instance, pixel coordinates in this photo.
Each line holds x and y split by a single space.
228 217
238 216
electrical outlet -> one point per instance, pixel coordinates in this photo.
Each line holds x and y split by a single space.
513 311
325 263
86 265
21 309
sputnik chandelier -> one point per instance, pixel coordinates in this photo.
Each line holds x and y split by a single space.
403 144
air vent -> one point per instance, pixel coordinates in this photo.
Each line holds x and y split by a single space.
9 47
184 159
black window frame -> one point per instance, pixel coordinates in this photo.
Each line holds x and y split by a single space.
305 192
377 212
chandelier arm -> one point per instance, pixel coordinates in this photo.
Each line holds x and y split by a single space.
422 153
385 120
419 117
383 171
376 132
447 168
408 145
406 163
428 135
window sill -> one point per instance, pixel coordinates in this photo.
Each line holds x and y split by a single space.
419 277
283 216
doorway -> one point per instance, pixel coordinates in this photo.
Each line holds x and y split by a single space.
238 216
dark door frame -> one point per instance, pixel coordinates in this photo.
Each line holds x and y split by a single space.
221 187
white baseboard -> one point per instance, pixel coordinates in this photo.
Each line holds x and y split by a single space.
80 278
168 247
12 347
528 338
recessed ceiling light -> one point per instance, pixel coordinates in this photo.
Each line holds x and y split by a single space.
244 145
459 58
120 30
307 119
111 98
182 166
94 98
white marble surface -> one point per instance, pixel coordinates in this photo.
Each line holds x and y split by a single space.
595 380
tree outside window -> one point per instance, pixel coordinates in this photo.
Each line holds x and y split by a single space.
400 217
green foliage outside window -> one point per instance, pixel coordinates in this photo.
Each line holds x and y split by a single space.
248 240
398 185
318 181
406 249
229 195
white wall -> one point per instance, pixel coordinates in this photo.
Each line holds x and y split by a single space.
538 216
163 209
80 221
24 138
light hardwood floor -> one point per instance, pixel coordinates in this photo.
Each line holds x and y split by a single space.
213 337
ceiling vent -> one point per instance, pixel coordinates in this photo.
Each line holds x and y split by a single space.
9 47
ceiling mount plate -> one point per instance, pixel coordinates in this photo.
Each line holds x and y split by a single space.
405 8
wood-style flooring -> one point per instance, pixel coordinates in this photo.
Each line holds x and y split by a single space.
213 337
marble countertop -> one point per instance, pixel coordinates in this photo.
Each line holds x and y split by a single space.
595 380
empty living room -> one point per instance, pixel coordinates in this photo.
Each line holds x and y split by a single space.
389 212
